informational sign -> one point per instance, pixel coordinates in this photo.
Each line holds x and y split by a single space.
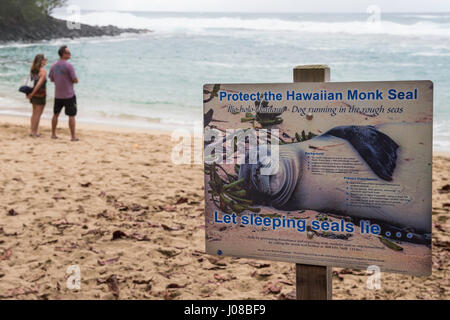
333 174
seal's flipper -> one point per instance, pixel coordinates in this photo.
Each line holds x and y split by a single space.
375 147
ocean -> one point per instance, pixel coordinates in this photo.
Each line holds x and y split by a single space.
155 80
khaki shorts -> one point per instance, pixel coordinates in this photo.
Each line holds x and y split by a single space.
40 101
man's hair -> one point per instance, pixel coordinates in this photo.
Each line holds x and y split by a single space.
62 50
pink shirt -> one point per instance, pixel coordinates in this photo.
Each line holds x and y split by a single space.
63 74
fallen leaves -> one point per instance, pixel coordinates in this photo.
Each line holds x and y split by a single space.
12 212
80 209
261 275
218 277
168 208
288 283
197 253
119 235
137 207
86 185
444 189
18 180
38 277
113 285
340 272
216 261
134 207
104 214
442 244
259 265
167 228
7 234
213 267
168 253
223 278
439 227
439 261
338 275
290 296
271 288
152 225
170 294
175 286
62 224
62 249
181 200
67 249
13 293
121 206
5 255
145 281
58 196
108 261
96 232
139 237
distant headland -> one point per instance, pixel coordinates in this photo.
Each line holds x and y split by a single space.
31 21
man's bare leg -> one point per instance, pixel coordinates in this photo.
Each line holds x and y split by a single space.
72 128
54 124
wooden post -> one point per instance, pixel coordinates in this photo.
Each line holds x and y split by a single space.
313 282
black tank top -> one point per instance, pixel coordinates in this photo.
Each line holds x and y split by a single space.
42 92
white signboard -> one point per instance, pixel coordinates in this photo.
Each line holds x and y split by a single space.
334 174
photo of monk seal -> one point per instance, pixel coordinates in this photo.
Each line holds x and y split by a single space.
402 165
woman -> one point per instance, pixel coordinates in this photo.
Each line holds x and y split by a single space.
39 94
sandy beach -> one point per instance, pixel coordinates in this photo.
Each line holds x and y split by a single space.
115 205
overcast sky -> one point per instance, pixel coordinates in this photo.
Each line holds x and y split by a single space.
265 5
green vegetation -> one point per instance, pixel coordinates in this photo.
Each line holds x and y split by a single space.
27 10
227 193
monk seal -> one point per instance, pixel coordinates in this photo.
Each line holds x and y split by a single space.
401 169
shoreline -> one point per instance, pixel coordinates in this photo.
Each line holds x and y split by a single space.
26 43
46 124
110 127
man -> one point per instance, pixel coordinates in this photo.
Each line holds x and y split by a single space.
63 75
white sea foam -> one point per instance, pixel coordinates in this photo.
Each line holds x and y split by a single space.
199 24
427 16
441 132
69 41
431 54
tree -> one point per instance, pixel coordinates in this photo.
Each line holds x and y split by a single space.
28 10
50 5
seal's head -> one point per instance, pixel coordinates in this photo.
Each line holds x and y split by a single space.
271 180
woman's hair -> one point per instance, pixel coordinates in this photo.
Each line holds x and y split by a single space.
37 63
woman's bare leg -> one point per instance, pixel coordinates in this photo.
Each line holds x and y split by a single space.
33 121
40 110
